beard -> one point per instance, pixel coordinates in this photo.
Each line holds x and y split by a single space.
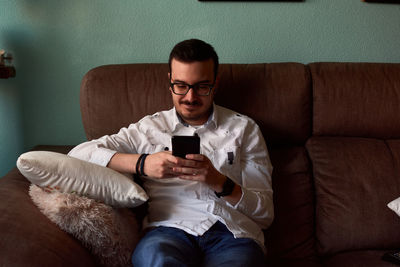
197 116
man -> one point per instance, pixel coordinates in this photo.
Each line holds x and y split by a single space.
207 209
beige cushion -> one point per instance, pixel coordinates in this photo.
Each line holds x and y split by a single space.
71 175
395 205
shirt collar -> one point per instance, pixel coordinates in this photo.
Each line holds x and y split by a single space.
212 120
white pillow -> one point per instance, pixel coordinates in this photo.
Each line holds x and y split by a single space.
395 206
72 175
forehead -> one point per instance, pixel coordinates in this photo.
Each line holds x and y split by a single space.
197 70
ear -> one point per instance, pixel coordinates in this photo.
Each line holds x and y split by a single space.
169 80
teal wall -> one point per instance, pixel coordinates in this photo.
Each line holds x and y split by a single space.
11 133
56 42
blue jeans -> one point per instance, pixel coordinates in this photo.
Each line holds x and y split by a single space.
168 246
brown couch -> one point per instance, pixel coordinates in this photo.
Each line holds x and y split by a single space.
333 131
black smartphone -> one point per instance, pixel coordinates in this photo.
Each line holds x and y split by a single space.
184 144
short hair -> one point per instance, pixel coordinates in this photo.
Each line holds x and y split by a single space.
194 50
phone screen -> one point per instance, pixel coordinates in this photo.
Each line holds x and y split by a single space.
183 145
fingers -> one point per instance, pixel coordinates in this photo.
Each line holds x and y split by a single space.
160 165
192 160
168 156
188 171
197 157
165 165
194 167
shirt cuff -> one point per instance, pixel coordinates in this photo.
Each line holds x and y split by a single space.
246 202
102 156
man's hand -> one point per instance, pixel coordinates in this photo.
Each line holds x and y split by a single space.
161 165
199 168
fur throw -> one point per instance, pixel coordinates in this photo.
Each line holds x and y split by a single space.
110 234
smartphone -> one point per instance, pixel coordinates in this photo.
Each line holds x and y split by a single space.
184 144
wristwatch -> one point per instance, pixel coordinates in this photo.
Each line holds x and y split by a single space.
227 188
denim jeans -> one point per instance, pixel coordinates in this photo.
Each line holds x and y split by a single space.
168 246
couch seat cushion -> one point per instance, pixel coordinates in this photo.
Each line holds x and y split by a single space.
291 235
355 178
367 258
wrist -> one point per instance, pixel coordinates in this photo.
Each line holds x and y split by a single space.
140 165
227 188
219 185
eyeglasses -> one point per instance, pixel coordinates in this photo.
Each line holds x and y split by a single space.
199 89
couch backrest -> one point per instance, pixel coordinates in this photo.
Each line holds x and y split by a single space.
356 99
114 96
276 95
355 154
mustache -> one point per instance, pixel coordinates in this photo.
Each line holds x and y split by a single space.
193 103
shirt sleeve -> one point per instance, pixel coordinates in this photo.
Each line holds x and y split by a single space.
100 151
257 195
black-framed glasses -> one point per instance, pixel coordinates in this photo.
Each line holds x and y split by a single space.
200 89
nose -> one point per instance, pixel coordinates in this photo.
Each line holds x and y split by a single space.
190 95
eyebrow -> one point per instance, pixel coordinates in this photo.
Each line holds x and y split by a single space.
204 81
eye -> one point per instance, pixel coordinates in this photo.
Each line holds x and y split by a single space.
181 86
204 86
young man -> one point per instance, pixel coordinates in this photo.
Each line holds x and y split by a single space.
208 209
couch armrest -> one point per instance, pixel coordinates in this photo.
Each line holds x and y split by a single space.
27 236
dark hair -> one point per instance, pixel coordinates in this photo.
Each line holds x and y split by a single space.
194 50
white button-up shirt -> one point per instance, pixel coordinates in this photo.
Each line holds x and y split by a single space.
191 205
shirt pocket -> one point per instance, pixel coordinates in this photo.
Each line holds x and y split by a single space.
227 161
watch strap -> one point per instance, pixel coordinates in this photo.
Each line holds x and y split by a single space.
227 188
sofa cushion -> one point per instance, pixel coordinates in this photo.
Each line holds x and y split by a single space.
277 96
395 205
355 178
109 233
291 235
68 174
284 262
395 150
356 99
364 258
125 93
394 146
280 105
